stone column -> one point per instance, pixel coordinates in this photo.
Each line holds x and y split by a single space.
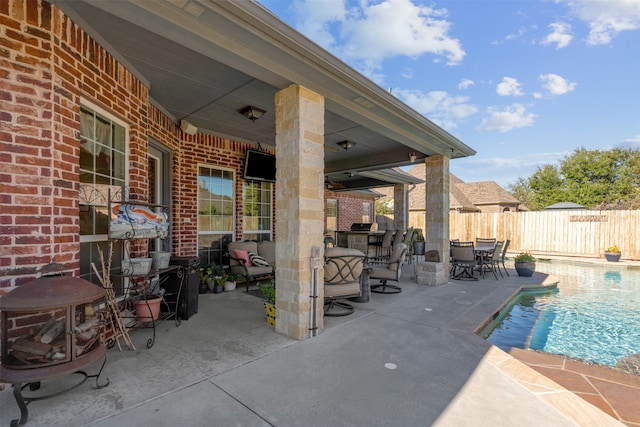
300 207
400 207
437 211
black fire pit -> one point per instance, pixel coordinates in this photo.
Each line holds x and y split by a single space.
50 328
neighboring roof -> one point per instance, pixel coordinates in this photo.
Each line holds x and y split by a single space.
459 201
565 205
462 196
487 193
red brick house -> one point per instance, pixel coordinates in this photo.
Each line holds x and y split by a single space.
153 98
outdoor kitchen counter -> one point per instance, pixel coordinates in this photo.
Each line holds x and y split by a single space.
357 240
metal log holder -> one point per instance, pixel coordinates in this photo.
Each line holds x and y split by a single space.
50 328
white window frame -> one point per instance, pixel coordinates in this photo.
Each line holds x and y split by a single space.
233 198
267 232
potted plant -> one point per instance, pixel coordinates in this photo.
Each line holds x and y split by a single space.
269 294
230 282
214 276
147 299
612 254
525 264
418 242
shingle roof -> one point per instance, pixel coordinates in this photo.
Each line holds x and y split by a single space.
487 193
462 196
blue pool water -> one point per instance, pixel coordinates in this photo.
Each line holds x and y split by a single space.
594 315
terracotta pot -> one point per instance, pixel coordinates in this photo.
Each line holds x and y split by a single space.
525 269
146 313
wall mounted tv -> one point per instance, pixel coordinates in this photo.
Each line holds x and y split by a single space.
260 166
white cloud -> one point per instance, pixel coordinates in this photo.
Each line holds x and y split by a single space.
440 107
315 18
606 19
560 36
633 142
503 170
465 84
509 87
512 117
555 84
368 33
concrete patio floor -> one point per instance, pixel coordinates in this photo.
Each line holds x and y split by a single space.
408 359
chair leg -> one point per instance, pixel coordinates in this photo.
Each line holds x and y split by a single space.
330 310
496 266
392 289
505 269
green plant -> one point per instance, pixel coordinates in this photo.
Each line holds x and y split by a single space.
417 235
269 291
233 277
613 249
213 272
524 257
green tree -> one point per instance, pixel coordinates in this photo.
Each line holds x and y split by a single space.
384 208
593 178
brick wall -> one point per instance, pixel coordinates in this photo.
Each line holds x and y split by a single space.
350 208
47 66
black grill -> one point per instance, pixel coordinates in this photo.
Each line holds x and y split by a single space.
361 226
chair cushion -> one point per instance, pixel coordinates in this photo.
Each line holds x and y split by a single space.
383 273
257 260
241 254
267 250
349 289
244 246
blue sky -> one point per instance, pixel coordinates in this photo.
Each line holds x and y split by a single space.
524 83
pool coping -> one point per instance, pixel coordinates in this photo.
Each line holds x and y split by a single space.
570 404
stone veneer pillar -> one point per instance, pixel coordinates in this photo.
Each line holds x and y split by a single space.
400 206
300 207
437 211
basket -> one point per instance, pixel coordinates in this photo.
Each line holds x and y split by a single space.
160 259
136 266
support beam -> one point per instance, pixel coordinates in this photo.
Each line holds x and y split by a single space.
300 207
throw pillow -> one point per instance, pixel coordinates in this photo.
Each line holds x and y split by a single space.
240 254
257 260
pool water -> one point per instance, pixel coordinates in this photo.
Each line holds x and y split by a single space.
594 315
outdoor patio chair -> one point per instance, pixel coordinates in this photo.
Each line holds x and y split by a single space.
489 259
382 246
464 261
485 241
391 272
398 238
503 255
342 270
252 260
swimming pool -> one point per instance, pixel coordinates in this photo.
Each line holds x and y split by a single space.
594 315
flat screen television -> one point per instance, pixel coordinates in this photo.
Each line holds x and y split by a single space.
260 166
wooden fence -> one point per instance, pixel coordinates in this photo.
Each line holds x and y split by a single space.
581 233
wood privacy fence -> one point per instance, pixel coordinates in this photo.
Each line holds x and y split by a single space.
584 233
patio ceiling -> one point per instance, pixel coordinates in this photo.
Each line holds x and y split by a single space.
204 61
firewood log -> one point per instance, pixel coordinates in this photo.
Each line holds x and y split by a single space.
53 332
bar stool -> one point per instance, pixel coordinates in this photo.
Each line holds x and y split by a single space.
382 245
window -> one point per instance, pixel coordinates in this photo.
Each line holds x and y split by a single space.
216 217
103 144
332 214
366 212
257 208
